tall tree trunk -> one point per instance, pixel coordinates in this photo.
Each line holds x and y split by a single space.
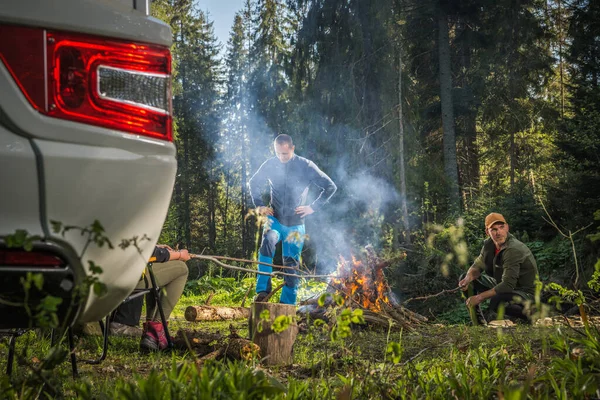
470 172
403 194
450 165
560 58
187 217
212 228
513 159
226 211
244 184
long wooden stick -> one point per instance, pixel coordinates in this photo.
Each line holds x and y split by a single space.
271 274
253 262
433 295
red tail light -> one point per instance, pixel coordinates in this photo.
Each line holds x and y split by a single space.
18 258
93 80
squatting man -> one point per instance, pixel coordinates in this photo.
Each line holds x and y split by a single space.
288 177
510 272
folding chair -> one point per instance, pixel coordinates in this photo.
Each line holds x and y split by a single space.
155 290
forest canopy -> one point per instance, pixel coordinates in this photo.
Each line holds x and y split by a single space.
427 114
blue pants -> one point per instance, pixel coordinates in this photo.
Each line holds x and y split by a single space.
293 240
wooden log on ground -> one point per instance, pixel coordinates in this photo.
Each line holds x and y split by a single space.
212 313
275 348
241 349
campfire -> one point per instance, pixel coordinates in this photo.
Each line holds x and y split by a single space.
363 284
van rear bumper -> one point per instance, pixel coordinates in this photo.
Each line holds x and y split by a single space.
25 305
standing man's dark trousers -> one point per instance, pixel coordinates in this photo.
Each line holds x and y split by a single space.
512 301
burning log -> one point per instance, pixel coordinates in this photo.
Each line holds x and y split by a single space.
364 285
212 313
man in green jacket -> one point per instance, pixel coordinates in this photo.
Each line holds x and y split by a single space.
510 271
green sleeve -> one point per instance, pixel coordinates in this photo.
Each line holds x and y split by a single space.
513 259
479 263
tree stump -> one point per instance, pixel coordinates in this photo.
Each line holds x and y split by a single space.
275 348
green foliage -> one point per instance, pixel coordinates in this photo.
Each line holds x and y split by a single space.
564 294
21 239
551 257
282 322
231 288
95 233
185 381
394 351
576 375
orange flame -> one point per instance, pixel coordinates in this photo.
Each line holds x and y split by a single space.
364 284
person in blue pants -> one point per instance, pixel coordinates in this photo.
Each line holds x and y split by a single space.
288 177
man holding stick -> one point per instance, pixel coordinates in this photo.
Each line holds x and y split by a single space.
289 177
510 272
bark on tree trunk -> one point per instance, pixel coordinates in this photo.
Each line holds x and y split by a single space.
403 194
211 313
513 160
275 348
186 212
450 165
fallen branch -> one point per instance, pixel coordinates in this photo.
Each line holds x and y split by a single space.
433 295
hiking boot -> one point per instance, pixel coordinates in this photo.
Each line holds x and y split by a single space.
154 337
118 329
149 340
260 297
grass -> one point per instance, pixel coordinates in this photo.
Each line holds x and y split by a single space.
438 361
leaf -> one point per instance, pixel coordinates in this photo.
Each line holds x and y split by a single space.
94 269
38 281
56 226
265 315
322 299
55 357
100 289
394 350
281 323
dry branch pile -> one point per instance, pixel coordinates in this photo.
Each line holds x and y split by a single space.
363 285
211 346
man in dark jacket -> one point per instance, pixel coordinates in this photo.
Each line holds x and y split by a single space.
510 271
289 177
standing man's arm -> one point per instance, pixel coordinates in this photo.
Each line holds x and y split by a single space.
256 184
321 180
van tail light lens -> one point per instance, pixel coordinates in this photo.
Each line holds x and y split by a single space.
93 80
22 258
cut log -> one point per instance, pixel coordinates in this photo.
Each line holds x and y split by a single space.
210 313
275 348
241 349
